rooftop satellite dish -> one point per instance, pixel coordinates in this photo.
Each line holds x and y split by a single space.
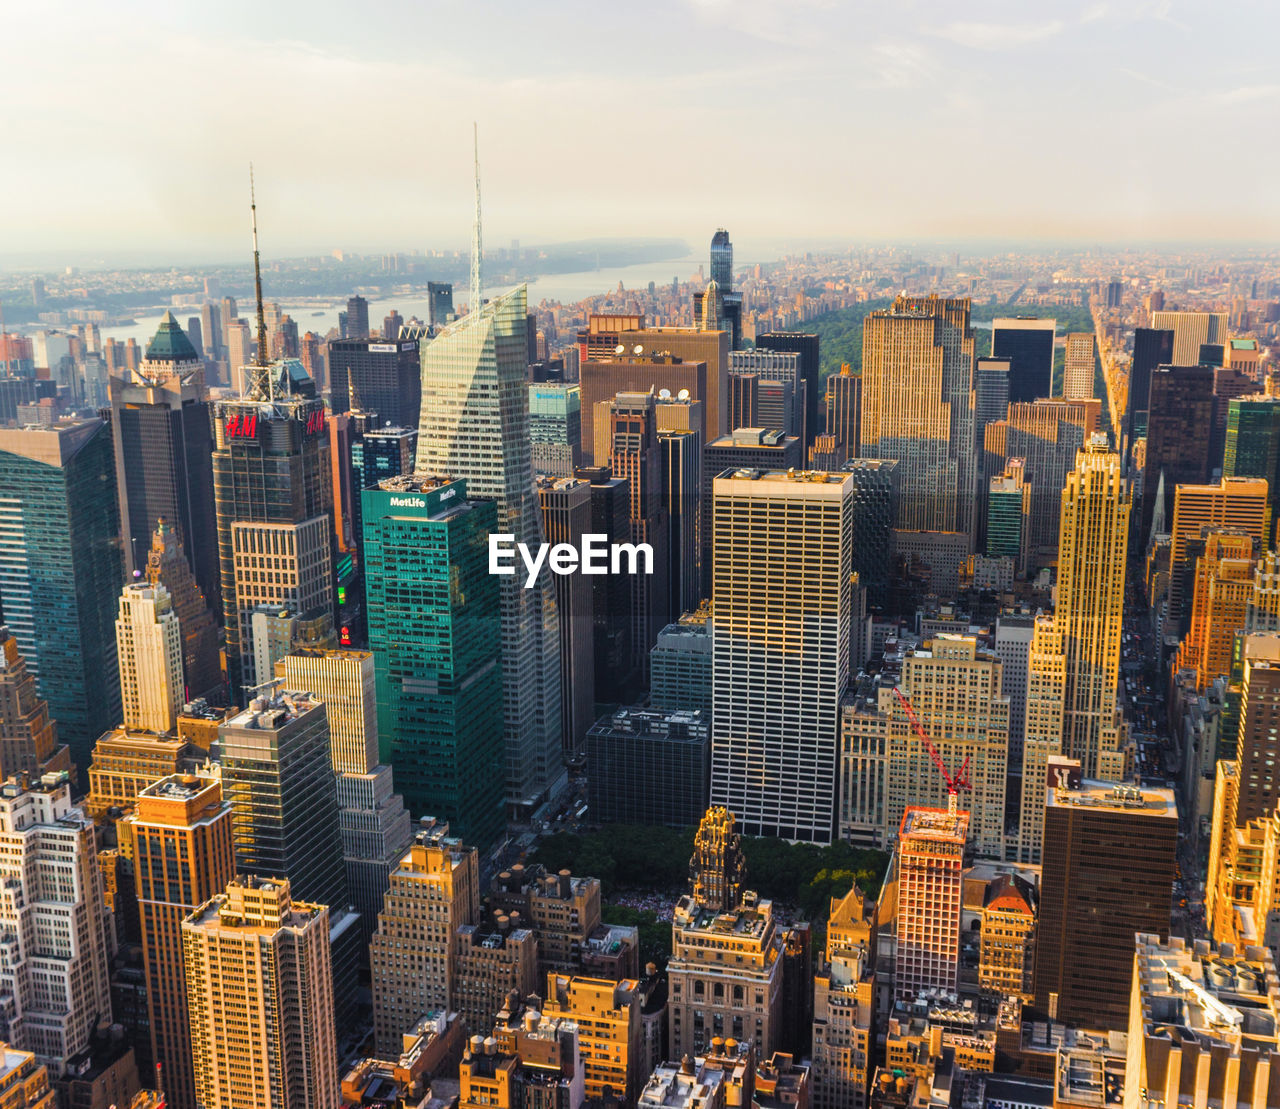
665 394
619 349
683 394
639 349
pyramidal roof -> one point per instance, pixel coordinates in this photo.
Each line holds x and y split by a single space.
171 343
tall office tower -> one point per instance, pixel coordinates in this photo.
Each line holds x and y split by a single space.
274 507
162 439
614 664
1074 664
1190 331
433 603
917 385
635 457
754 448
167 568
124 764
55 989
680 665
1262 612
725 976
806 345
928 864
494 959
261 999
1013 649
603 378
149 646
475 426
844 999
278 776
439 303
1223 587
1179 424
1152 348
1252 448
1028 344
1077 372
1238 504
722 259
391 325
566 517
60 570
434 891
373 821
681 451
1109 858
717 867
991 382
773 758
555 429
630 750
28 734
377 375
1007 938
183 856
311 353
1047 435
1115 292
239 353
607 1014
357 318
875 507
844 411
1228 384
779 389
953 686
211 328
1009 514
1223 1048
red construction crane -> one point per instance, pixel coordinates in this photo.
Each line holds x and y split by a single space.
954 785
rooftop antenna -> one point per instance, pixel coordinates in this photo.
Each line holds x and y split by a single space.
477 256
260 379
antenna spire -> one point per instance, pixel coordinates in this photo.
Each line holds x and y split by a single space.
257 274
477 248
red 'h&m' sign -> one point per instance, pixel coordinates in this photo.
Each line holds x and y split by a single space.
315 421
242 425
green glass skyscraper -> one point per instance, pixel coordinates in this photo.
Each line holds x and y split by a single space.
1253 445
61 570
435 632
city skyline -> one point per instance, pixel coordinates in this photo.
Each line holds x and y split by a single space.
1153 177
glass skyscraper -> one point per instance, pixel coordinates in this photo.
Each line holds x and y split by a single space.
475 426
434 630
61 570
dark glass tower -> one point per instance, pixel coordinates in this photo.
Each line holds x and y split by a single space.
805 345
61 570
357 318
375 375
722 260
274 497
435 633
439 303
1179 430
163 455
1151 348
1028 344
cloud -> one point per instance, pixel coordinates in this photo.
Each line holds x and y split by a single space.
998 36
1246 93
897 64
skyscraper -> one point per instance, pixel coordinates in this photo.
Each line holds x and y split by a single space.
439 303
433 603
434 891
475 426
783 602
377 375
1223 587
928 865
806 345
844 412
357 318
55 989
1179 425
167 567
991 382
1008 514
60 570
1151 348
274 508
261 999
1077 373
149 646
722 259
163 445
917 382
1191 330
844 1005
28 734
1252 447
1074 664
555 429
181 832
1109 857
1028 344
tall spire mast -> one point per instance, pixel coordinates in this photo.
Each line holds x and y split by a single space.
257 285
477 248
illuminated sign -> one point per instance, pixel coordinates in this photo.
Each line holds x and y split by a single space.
315 421
242 425
408 502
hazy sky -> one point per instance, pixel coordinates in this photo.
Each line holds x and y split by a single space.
130 124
